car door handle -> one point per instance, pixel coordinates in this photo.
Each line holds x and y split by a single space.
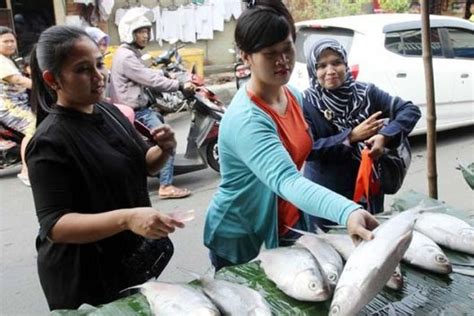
464 76
401 75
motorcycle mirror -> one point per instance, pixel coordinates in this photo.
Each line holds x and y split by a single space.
146 57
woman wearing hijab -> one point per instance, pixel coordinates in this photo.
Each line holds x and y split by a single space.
345 116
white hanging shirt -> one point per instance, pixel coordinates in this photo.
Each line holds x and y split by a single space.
232 8
218 14
171 22
119 13
158 27
105 8
205 25
86 2
189 24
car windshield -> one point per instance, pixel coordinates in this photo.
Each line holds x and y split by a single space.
307 36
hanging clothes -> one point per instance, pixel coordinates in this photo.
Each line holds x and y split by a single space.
105 9
204 27
158 25
171 22
232 8
188 31
218 14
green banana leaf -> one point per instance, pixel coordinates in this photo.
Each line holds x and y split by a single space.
423 293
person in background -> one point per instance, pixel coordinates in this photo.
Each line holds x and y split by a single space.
414 7
102 40
345 116
88 168
15 111
263 141
100 37
129 77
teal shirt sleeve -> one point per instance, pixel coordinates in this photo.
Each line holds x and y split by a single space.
257 144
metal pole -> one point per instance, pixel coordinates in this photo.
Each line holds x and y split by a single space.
430 102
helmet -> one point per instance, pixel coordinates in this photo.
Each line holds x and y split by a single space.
134 19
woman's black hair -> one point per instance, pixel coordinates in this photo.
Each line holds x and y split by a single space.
6 30
53 47
263 24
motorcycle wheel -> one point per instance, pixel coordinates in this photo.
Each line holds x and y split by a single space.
212 155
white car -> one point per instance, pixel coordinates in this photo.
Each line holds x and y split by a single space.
386 50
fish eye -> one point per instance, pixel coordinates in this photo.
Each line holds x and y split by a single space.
441 259
312 286
335 310
332 277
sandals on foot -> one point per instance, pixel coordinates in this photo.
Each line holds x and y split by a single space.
172 192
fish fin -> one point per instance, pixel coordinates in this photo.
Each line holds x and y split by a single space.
299 231
132 287
468 272
192 273
462 264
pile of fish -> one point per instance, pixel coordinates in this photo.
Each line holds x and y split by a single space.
213 297
411 236
313 268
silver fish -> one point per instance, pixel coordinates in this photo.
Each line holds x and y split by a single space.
296 272
233 298
345 246
372 263
173 299
326 255
426 254
447 231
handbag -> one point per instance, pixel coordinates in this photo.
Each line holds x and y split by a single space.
394 163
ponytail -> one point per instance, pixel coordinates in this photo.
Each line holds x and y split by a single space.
42 97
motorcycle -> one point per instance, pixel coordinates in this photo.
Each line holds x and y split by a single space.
241 71
206 113
10 141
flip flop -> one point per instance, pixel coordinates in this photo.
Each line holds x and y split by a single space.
174 193
24 179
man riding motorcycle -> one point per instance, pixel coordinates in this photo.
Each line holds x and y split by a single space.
129 77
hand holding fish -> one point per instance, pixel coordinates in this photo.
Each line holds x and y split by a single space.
359 225
150 223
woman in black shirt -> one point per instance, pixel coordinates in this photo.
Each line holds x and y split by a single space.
88 169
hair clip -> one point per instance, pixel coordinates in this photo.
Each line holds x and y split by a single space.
250 3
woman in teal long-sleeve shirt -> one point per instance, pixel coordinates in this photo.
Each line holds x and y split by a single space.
262 138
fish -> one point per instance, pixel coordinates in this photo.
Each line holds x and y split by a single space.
296 272
345 246
447 231
233 298
175 299
424 253
371 264
325 254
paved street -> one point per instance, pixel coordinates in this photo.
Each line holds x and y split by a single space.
20 292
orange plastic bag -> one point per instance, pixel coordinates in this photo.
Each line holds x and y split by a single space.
366 184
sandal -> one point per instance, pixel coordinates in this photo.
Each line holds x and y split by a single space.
24 179
172 192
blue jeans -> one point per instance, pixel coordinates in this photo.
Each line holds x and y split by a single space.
151 119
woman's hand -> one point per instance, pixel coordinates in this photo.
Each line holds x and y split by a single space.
376 144
359 225
367 128
150 223
164 138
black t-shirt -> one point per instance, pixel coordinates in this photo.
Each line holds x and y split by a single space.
85 163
